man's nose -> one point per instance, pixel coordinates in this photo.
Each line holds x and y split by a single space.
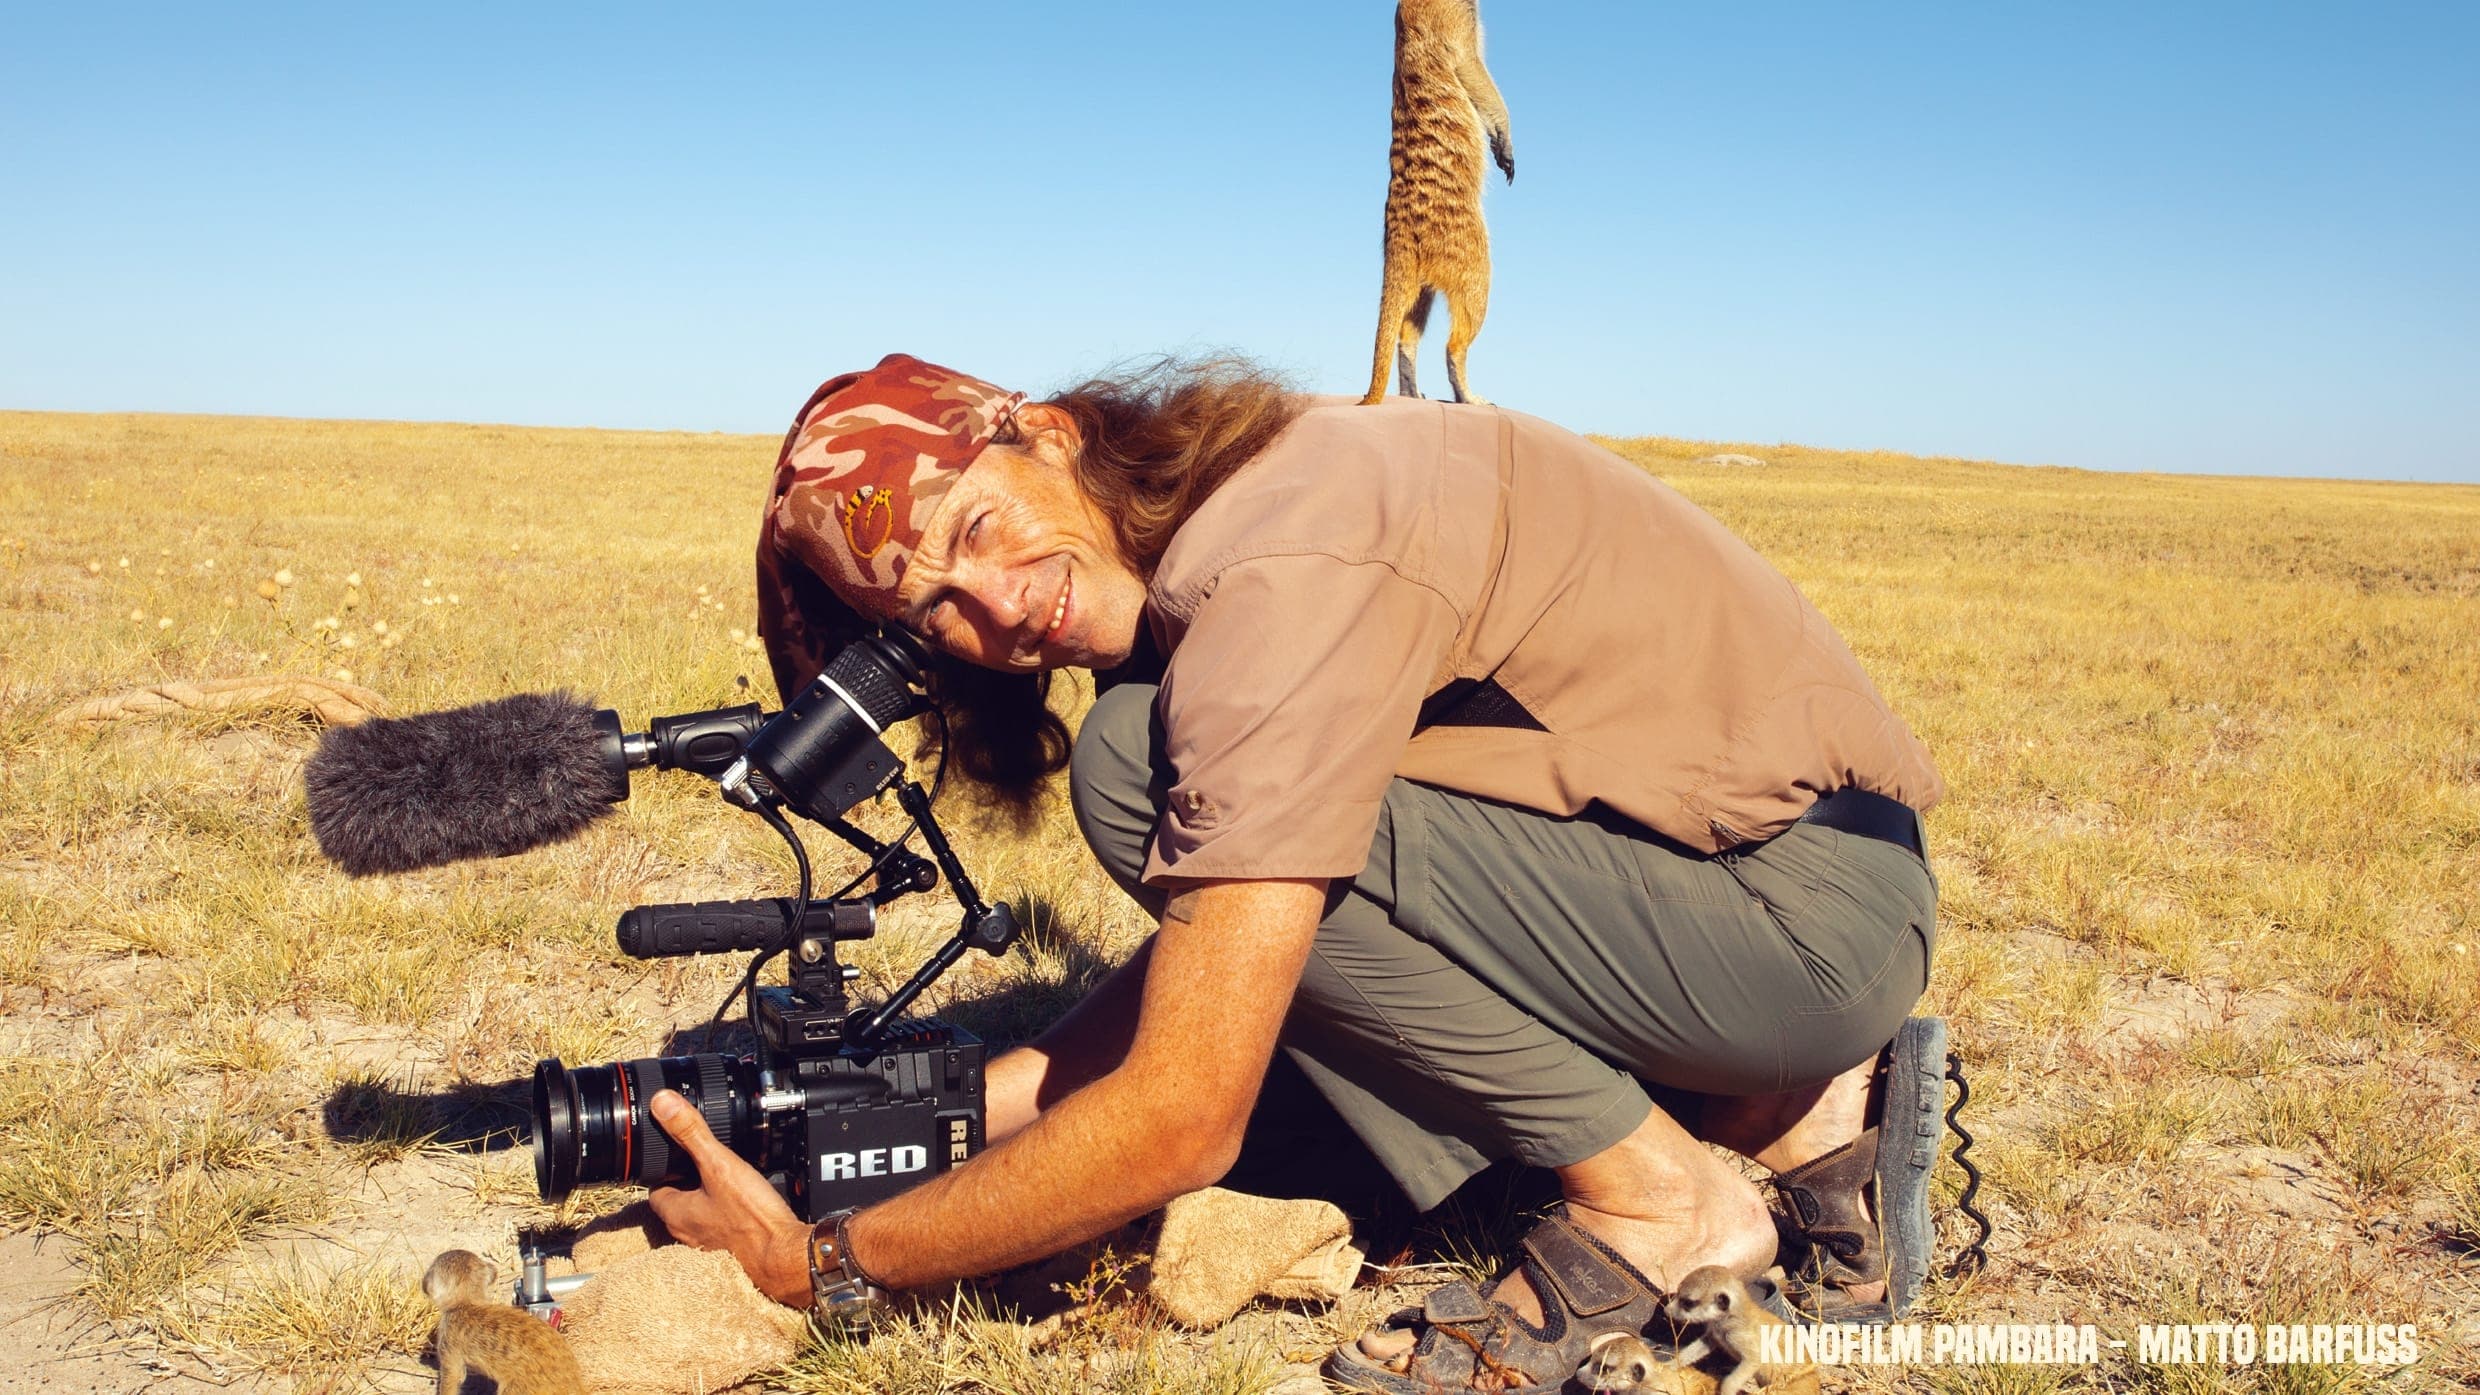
1000 593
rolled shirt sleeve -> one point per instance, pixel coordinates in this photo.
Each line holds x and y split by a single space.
1285 709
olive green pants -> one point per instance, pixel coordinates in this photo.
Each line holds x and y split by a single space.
1497 982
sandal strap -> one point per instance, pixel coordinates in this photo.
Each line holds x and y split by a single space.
1455 1302
1588 1283
1825 1200
1475 1342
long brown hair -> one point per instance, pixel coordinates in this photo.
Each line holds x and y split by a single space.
1157 439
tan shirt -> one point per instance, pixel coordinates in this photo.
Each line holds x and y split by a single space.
1374 556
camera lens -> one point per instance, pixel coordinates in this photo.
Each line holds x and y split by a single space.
591 1124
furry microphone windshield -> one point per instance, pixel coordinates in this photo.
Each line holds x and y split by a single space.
500 777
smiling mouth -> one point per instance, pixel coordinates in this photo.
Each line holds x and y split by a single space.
1059 611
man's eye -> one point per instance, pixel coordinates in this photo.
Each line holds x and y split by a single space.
976 530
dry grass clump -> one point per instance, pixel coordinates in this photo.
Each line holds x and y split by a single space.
151 1184
323 1327
964 1344
2207 937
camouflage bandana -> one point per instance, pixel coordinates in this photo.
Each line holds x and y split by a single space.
864 468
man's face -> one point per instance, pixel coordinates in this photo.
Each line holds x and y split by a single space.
1017 570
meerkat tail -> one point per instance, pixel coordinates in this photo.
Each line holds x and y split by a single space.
1394 303
1408 349
1470 308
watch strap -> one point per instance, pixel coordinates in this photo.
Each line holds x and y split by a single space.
843 1297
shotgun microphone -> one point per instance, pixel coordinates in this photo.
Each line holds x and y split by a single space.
494 779
516 773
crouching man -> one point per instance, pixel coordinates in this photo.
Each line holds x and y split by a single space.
1474 769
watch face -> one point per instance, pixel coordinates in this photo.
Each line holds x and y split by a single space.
844 1310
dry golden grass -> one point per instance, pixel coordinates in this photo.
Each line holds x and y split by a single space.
2208 936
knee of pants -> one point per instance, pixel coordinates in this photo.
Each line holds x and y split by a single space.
1111 777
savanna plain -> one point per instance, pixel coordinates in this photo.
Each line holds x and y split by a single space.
2207 941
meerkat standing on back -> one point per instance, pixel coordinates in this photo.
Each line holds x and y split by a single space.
1445 105
513 1347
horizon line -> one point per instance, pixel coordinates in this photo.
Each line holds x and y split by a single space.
1596 436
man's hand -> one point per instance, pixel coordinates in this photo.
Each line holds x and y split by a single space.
732 1208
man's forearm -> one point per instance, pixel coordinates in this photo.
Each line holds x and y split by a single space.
1164 1120
1083 1046
979 1220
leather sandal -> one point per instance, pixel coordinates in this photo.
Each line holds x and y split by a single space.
1474 1342
1860 1214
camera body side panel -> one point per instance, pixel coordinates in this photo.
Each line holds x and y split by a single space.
886 1120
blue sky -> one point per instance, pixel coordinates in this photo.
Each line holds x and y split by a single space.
2224 237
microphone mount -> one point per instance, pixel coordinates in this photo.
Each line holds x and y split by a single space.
820 757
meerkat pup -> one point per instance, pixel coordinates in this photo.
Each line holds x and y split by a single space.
513 1347
1620 1363
1445 106
1732 1321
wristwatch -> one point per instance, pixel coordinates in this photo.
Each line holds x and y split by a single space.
843 1299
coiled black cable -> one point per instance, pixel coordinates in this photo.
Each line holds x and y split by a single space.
1974 1256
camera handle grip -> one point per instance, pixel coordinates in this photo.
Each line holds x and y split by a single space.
721 927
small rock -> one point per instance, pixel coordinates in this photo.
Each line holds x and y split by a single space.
1728 458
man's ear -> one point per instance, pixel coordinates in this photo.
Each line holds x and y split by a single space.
1049 433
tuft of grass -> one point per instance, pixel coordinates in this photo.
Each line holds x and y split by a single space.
1998 1380
2151 1124
235 1044
1461 1240
500 1179
2388 1148
2287 1114
139 1265
380 1116
2240 1055
2384 1146
2460 1226
963 1345
1106 1313
322 1327
33 930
